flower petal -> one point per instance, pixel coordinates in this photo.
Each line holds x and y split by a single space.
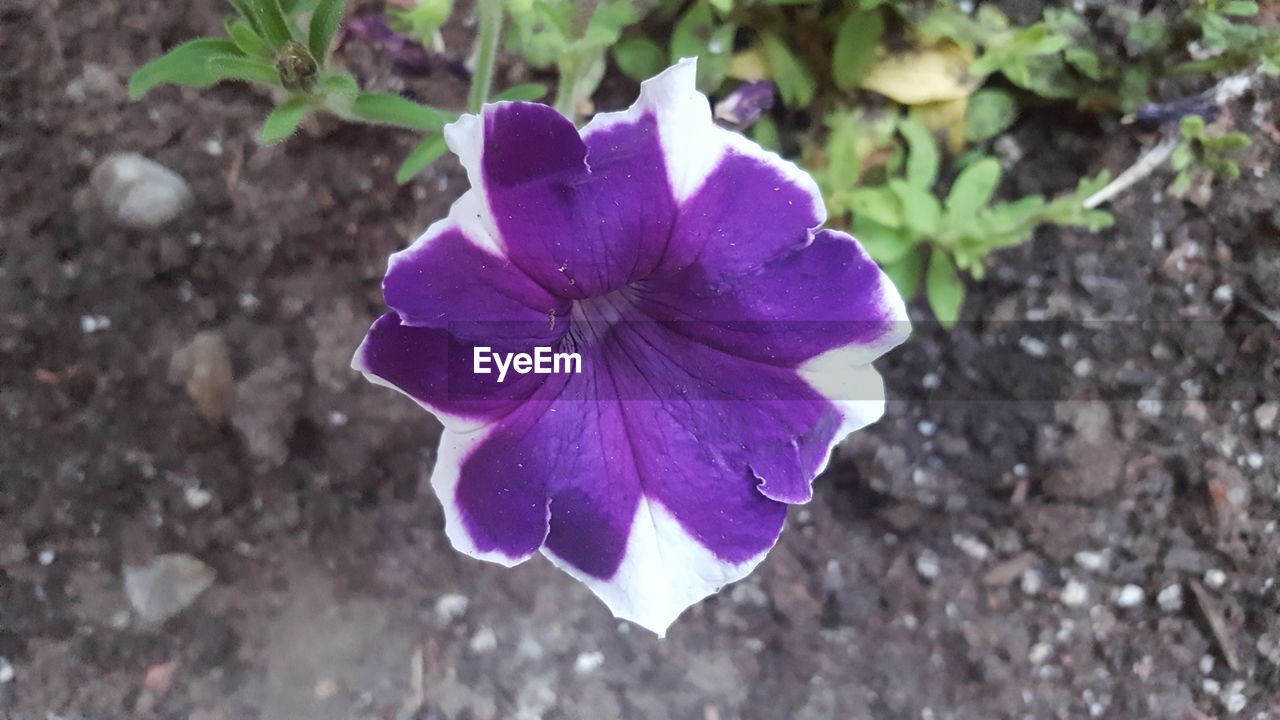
808 300
435 369
452 278
582 218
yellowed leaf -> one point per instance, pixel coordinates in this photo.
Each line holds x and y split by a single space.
750 64
946 115
924 75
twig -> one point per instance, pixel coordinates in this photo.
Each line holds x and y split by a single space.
1140 170
1223 92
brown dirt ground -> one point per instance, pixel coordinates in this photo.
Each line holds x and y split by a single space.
1095 426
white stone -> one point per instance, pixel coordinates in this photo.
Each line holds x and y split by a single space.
7 673
166 586
588 662
971 546
1170 598
927 564
450 607
1075 593
1039 653
1090 560
1131 596
139 193
484 641
1215 578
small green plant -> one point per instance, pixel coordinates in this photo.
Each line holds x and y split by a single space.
268 44
908 227
1201 154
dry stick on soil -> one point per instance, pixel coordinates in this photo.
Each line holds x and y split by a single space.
1225 91
1217 625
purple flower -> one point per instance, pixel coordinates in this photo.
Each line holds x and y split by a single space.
725 344
744 106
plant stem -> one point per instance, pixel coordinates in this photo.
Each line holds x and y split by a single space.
566 103
490 16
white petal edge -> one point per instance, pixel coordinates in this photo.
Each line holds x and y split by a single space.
464 215
845 376
454 449
686 132
664 572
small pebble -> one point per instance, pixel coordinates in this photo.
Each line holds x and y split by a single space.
931 381
1039 653
450 607
1265 415
197 497
588 662
139 193
1223 294
1075 593
927 428
1034 347
90 324
1090 560
1206 664
971 546
1031 582
483 641
1215 578
1170 598
7 673
1254 461
1131 596
46 557
927 564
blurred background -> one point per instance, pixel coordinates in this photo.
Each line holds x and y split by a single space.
1070 509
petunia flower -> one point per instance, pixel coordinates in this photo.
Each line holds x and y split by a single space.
725 344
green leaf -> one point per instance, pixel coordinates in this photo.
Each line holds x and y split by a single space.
696 34
524 91
639 58
876 203
921 211
795 83
271 19
886 245
187 64
972 190
247 69
324 23
337 84
284 119
391 109
989 113
721 6
765 133
943 288
1243 8
421 156
1084 60
855 48
246 12
905 274
1182 155
245 38
922 154
1192 126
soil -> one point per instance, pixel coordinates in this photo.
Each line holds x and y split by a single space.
1070 509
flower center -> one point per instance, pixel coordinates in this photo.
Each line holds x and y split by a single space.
592 317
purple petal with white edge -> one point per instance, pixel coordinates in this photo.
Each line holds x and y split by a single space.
583 218
447 280
814 296
434 369
726 344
